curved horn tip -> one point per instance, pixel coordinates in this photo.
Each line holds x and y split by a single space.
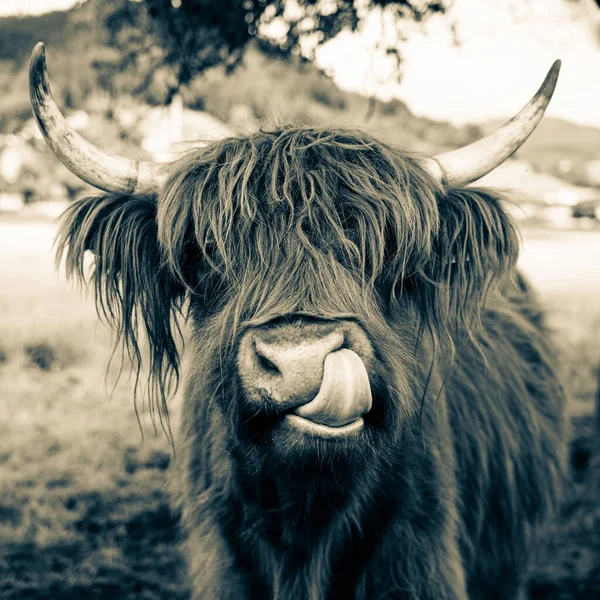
554 71
546 90
470 163
106 172
37 64
38 53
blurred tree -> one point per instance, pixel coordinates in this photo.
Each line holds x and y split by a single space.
175 40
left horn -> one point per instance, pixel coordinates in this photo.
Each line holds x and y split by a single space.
472 162
106 172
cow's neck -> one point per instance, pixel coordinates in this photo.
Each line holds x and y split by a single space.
307 535
302 511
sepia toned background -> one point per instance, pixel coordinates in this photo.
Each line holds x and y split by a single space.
82 508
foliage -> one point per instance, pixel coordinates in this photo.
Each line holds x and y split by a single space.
20 34
85 74
274 91
190 36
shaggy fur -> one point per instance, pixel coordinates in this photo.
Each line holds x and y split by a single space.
460 462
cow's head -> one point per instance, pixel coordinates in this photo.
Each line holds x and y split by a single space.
321 268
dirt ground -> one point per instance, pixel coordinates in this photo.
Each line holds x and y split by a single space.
83 513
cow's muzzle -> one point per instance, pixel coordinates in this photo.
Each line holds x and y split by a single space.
316 373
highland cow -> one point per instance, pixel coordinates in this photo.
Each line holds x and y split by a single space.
372 406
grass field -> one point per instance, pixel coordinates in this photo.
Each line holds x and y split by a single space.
82 508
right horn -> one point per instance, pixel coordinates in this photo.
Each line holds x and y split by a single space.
465 165
106 172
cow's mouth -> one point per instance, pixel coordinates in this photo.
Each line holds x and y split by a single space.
343 399
324 431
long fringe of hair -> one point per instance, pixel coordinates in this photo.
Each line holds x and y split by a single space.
273 223
133 289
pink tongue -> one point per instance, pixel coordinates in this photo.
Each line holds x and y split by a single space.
345 393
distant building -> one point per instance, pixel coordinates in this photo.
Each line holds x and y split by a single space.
11 158
540 187
565 165
592 172
11 203
588 209
165 132
537 195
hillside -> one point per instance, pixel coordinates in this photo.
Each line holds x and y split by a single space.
262 91
82 70
559 147
19 34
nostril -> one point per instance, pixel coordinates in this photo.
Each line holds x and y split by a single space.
267 365
264 357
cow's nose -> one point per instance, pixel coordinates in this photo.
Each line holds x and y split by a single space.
289 371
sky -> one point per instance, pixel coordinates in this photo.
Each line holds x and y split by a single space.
12 7
505 50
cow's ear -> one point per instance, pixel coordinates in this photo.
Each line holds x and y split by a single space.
477 237
477 243
130 283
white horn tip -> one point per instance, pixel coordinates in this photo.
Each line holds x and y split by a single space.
39 48
38 55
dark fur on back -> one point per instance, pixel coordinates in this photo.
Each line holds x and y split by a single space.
464 459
